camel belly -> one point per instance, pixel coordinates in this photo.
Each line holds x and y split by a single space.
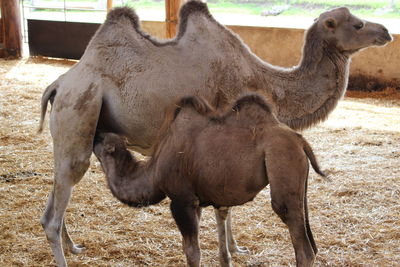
229 185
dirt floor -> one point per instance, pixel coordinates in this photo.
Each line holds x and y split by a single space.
355 218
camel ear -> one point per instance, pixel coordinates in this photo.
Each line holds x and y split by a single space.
330 24
109 148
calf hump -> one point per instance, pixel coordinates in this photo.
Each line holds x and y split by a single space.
252 109
198 104
252 99
195 103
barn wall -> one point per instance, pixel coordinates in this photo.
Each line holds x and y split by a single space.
282 47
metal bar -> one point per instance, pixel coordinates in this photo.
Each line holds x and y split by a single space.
67 8
24 36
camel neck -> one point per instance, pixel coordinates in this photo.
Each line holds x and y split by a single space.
323 72
306 94
131 182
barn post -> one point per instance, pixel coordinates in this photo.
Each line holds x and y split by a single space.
109 5
11 28
172 13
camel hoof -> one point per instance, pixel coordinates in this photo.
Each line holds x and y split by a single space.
239 250
78 249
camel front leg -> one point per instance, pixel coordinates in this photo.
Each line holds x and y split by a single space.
187 218
232 245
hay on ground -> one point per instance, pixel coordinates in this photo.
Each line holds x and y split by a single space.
355 218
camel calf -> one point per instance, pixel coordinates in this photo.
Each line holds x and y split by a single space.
221 160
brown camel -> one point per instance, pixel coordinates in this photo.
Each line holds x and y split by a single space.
126 79
223 161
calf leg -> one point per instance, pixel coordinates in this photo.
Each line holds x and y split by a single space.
187 219
224 255
287 202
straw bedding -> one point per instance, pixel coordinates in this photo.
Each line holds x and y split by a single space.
355 218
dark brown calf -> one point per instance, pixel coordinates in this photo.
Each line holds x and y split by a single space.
220 160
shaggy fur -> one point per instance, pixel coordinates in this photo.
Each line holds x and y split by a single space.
220 160
126 80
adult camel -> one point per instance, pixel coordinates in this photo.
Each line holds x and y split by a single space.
126 79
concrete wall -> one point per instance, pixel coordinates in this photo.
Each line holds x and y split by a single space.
282 47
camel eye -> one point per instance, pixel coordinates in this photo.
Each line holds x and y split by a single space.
359 26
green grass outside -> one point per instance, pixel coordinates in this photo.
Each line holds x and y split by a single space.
365 8
308 8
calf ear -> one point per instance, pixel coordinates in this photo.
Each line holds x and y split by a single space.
330 24
109 148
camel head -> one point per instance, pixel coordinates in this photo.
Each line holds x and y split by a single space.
348 33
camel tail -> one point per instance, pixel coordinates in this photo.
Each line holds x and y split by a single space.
48 94
313 160
200 105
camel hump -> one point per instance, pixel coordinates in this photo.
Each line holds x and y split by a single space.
252 99
123 12
200 105
192 7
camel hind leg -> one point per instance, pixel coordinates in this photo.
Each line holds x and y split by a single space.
308 227
287 199
73 128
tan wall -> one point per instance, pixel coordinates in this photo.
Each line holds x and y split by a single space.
282 47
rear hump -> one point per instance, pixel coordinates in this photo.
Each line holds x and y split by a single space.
252 99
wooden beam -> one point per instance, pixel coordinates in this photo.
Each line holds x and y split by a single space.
171 17
11 28
1 30
109 5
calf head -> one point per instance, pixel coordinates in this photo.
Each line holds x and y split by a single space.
109 147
